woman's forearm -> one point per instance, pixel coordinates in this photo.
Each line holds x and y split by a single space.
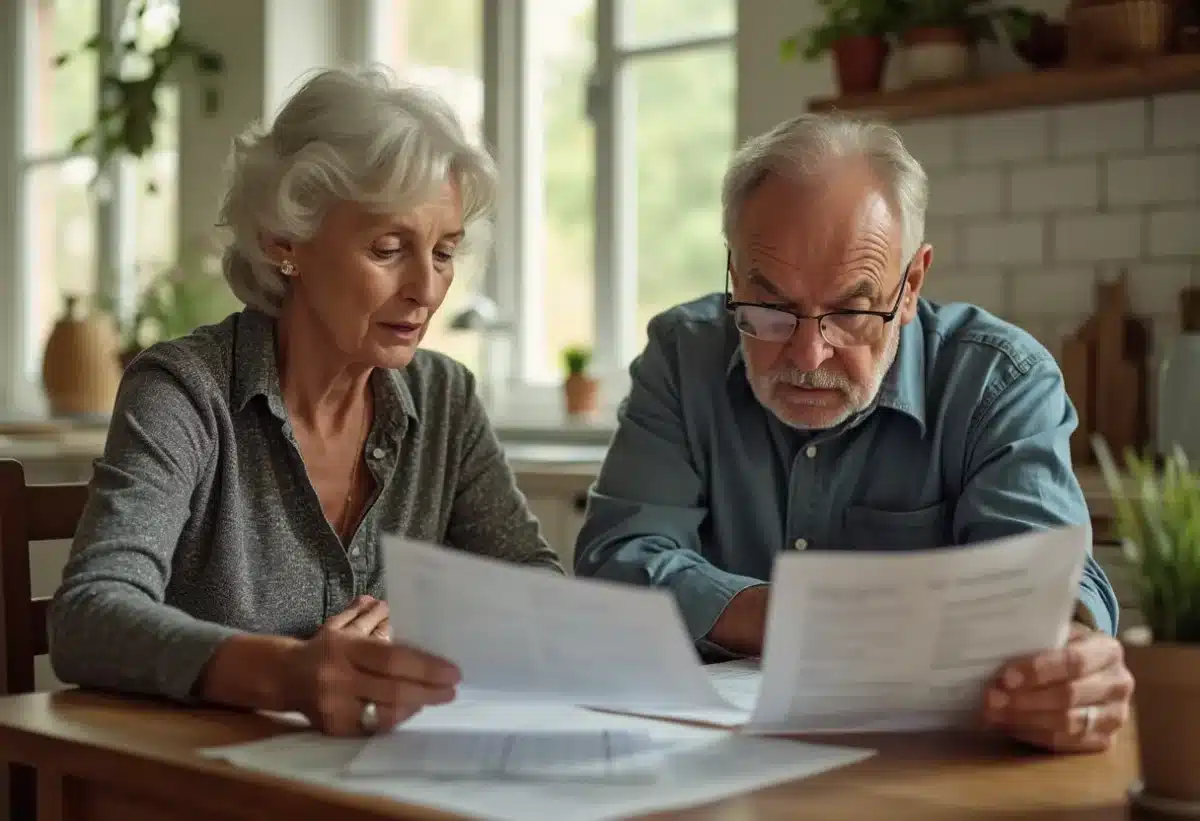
249 671
112 636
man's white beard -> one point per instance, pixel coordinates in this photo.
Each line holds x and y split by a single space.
857 397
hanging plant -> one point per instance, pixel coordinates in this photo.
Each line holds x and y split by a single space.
135 65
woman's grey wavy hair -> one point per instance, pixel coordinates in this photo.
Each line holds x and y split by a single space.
803 146
344 136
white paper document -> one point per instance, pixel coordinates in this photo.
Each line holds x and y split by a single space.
547 754
695 765
907 641
523 634
737 682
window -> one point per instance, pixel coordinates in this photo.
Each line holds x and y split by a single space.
620 124
437 43
154 191
62 224
680 159
611 122
97 240
560 276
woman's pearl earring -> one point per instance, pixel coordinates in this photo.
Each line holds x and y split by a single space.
288 269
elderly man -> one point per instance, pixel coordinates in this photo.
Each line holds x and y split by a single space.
821 403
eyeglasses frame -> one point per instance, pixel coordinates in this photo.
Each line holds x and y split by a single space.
731 305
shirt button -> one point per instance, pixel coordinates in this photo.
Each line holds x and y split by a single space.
800 544
378 453
810 451
354 551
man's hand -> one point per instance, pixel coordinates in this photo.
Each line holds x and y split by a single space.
1069 700
742 624
366 615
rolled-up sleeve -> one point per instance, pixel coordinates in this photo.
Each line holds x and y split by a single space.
490 515
645 510
1020 476
109 625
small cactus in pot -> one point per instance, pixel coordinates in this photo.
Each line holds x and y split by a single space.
580 389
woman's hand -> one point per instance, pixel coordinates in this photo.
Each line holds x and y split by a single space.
366 615
345 667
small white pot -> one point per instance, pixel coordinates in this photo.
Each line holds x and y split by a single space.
935 57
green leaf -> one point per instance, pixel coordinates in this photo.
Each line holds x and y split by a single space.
1158 523
126 122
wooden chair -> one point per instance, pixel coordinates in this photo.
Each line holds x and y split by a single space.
28 513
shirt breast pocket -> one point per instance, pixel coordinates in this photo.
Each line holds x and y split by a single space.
870 528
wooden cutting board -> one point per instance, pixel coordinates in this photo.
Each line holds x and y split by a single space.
1106 366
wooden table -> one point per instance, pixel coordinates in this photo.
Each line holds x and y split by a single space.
105 758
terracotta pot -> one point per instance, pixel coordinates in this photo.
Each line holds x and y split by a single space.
81 368
859 62
1167 705
933 56
582 394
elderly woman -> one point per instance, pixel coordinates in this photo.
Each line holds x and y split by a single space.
229 552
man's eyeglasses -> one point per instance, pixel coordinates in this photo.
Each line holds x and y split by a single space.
777 323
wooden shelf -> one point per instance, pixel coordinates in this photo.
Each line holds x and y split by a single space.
1031 89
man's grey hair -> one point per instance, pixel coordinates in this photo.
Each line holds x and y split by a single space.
803 146
344 136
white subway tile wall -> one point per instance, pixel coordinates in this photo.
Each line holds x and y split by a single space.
1030 209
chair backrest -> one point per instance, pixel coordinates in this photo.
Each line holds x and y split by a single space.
28 513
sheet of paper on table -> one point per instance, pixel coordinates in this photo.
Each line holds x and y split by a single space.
696 765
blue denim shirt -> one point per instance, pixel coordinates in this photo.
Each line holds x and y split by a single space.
968 440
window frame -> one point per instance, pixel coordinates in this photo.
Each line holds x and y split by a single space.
512 97
114 217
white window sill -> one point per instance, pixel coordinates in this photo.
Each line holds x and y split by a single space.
537 413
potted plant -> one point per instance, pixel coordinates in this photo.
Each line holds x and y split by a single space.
175 302
1044 44
938 36
1158 522
137 64
580 389
855 31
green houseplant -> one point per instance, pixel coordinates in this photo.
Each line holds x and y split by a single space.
855 32
137 64
937 37
176 301
580 389
1158 523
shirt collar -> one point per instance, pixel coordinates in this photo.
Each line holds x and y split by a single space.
255 373
903 386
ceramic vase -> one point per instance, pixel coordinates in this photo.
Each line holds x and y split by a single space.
81 366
